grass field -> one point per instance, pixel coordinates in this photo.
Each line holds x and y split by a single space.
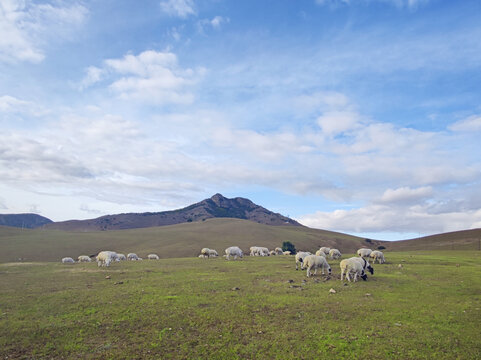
188 308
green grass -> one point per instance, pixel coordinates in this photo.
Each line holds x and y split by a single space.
189 308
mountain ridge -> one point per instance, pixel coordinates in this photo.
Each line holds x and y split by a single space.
216 206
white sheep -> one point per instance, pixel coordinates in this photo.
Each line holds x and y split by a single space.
278 251
287 252
84 258
201 256
233 251
365 264
121 257
377 255
325 250
259 251
153 257
104 258
132 256
353 267
213 253
67 260
314 262
205 252
300 257
364 252
320 253
272 253
335 254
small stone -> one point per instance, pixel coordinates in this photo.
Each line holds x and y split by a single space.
107 277
260 332
332 291
290 281
398 324
118 283
400 266
235 289
367 294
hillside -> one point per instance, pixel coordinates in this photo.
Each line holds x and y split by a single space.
217 206
28 221
181 240
459 240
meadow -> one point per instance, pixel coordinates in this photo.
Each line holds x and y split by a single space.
256 308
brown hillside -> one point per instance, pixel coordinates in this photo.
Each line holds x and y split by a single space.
217 206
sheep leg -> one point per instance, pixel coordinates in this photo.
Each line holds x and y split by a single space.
308 272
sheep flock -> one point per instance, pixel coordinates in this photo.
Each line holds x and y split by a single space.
352 269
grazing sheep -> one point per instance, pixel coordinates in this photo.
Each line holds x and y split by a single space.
259 251
365 264
201 256
121 257
364 252
335 254
272 253
84 258
208 253
153 257
300 257
354 267
325 250
278 251
132 256
377 255
315 262
320 253
233 251
104 258
67 260
287 252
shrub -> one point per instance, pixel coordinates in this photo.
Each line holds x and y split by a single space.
380 247
288 246
368 240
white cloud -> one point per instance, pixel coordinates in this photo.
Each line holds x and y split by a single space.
26 27
152 76
336 122
178 8
406 195
470 124
411 4
214 23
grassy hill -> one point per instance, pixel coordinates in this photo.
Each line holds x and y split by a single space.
457 240
181 240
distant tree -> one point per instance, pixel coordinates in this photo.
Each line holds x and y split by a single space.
381 247
288 246
368 240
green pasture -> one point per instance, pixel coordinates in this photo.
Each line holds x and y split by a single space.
256 308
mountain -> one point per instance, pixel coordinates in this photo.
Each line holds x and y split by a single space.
217 206
29 221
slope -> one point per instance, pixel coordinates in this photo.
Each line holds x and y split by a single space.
181 240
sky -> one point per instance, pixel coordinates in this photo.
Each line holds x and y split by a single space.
358 116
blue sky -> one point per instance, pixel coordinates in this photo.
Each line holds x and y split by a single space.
355 116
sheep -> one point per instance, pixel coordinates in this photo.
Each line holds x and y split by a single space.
352 266
84 258
121 257
104 258
233 251
335 254
132 256
272 253
205 252
201 256
259 251
377 255
325 249
365 264
153 257
320 253
278 251
300 257
364 252
287 252
67 260
315 262
213 253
